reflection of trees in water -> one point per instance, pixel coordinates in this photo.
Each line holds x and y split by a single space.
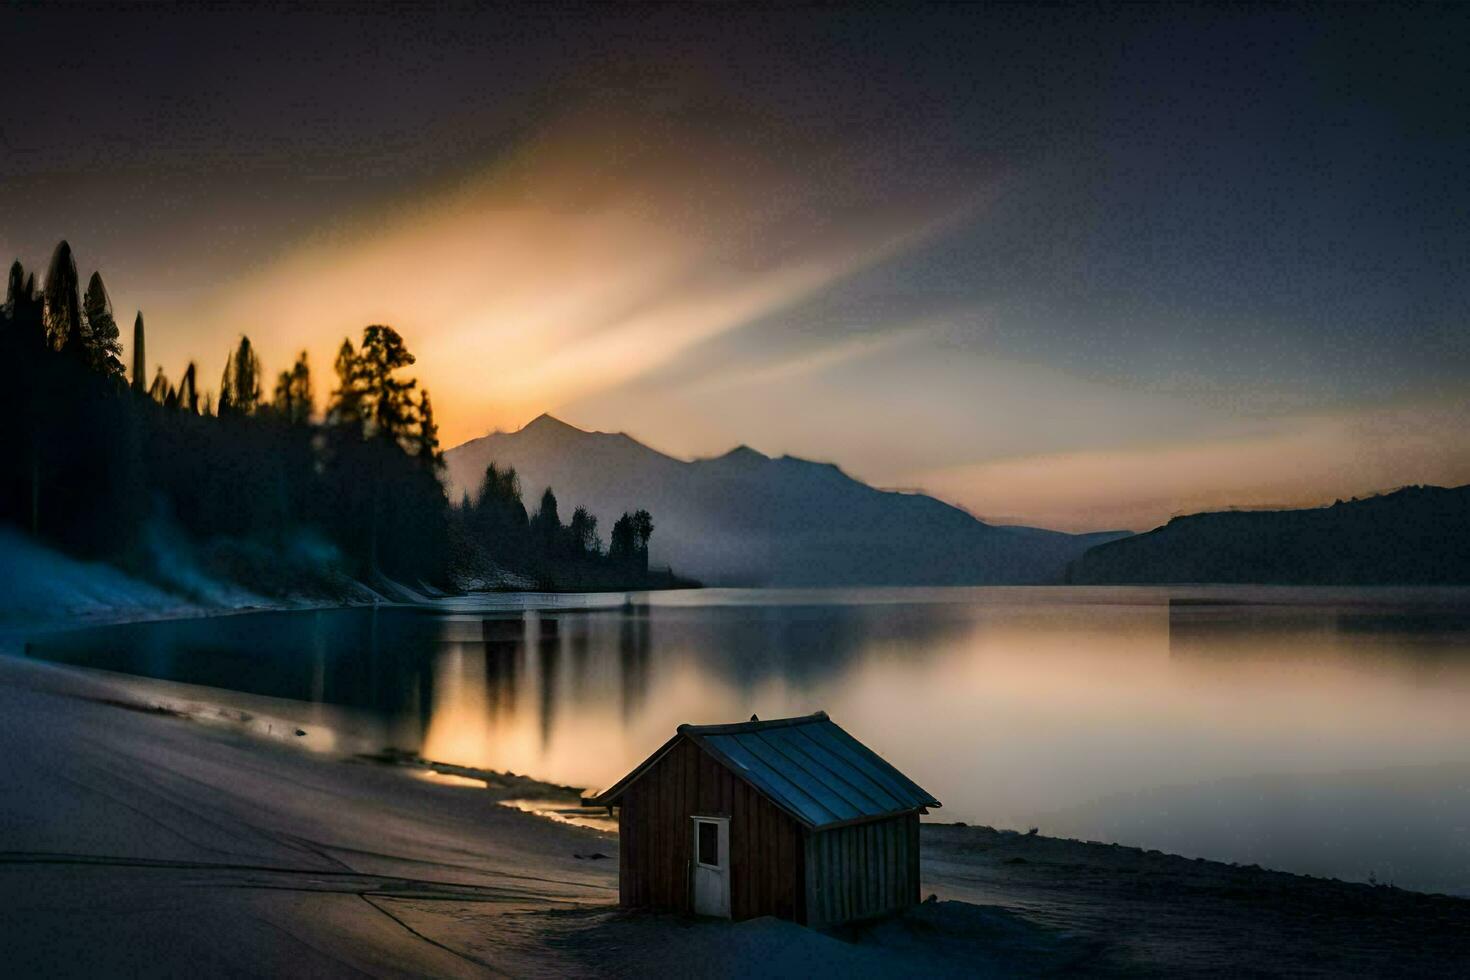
589 658
548 654
506 644
382 660
810 645
385 661
568 657
578 631
739 647
635 646
505 653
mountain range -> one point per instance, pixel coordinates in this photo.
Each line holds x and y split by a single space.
745 518
1412 536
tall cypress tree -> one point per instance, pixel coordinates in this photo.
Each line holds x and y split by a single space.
13 286
428 453
63 301
140 362
160 390
546 525
25 310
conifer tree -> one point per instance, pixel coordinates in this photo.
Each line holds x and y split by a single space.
624 541
344 408
388 399
240 386
25 311
63 302
100 334
583 531
546 525
428 453
160 390
14 284
293 395
642 531
188 396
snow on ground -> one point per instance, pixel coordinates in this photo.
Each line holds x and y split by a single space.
41 584
1150 912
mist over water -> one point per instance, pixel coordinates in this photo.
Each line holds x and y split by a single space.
1314 730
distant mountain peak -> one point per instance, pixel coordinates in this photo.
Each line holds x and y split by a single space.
744 454
746 518
546 422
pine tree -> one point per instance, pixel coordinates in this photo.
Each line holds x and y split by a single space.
293 399
100 333
389 404
240 386
345 405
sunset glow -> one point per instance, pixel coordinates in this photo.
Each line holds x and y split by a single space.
1068 334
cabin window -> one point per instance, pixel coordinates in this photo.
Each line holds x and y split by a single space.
709 843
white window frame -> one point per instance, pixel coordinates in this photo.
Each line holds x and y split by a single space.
720 834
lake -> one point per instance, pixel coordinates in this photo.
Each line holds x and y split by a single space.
1324 731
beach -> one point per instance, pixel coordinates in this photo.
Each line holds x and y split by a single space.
153 829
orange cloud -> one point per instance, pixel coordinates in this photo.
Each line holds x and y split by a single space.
590 254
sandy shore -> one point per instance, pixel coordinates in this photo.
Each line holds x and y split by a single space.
142 838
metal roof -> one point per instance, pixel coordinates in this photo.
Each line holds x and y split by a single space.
807 766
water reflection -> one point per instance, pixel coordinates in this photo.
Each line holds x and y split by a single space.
1297 728
634 644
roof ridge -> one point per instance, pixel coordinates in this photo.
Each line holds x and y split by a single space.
753 726
809 767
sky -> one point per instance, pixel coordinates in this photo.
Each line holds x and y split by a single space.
1075 267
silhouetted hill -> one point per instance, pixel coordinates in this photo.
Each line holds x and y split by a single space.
746 518
1414 536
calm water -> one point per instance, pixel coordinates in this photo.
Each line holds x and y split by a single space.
1322 731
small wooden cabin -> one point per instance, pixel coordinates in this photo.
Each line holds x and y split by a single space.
793 818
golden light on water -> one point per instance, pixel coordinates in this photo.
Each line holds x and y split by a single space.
448 779
1050 703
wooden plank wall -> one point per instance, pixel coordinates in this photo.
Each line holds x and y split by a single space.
655 845
862 871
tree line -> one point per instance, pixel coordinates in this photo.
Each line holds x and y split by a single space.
540 544
103 462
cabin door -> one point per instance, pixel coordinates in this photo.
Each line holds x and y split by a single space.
711 879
